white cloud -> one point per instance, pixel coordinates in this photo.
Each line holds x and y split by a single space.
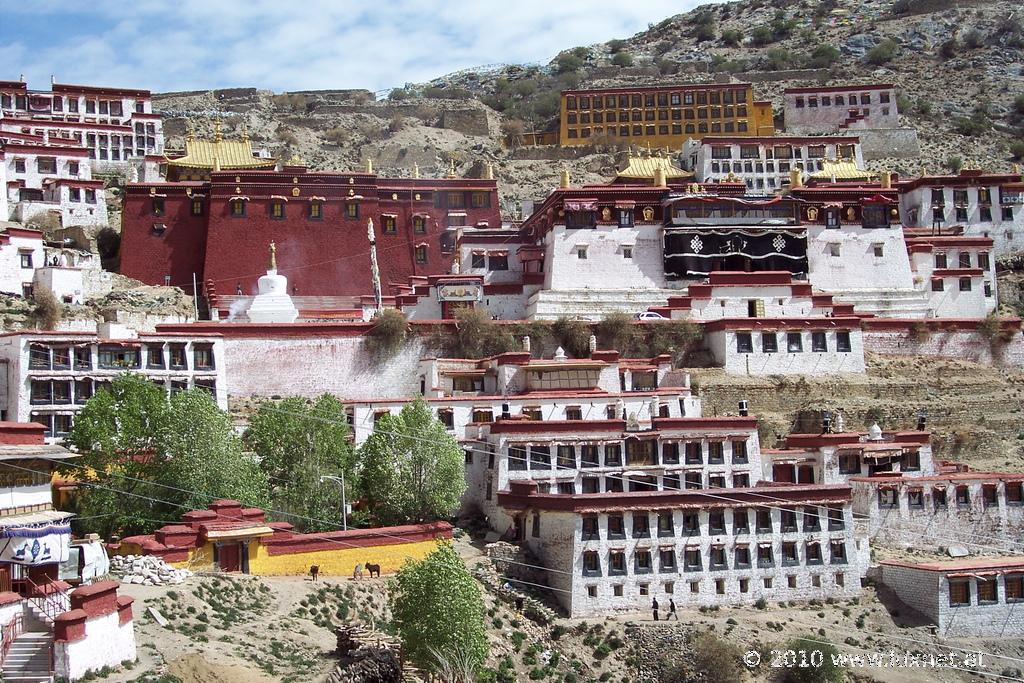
316 44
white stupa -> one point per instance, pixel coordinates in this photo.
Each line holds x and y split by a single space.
272 304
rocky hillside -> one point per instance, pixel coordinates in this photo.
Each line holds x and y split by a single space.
958 65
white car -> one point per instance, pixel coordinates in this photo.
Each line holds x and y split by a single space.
650 315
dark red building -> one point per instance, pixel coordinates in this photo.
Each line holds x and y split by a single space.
218 231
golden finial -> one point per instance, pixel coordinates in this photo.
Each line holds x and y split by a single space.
273 256
245 133
369 165
191 131
296 160
451 167
217 136
489 171
415 170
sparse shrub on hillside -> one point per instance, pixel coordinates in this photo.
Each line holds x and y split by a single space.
398 94
566 63
667 67
477 336
761 35
974 39
388 333
704 32
1017 150
513 130
573 336
716 660
923 108
822 57
949 49
396 123
622 59
336 135
978 123
616 45
883 53
954 164
828 672
48 310
731 37
779 58
294 101
286 136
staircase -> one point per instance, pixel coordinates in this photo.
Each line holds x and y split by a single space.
29 658
887 304
593 304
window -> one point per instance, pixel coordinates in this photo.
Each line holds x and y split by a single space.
535 528
591 591
389 225
566 457
989 496
202 356
1014 493
915 499
911 461
419 224
744 343
237 208
447 417
591 563
1014 587
641 525
616 527
818 342
838 550
642 562
764 522
154 356
691 559
835 519
693 480
888 499
421 254
812 522
843 342
83 390
42 392
482 415
788 520
316 210
739 452
627 252
789 555
716 453
716 522
741 557
616 563
764 555
938 284
478 260
794 342
613 455
834 249
769 342
114 357
849 463
959 592
965 284
498 260
740 521
581 253
26 259
83 358
589 457
352 210
667 559
691 523
813 551
879 250
693 453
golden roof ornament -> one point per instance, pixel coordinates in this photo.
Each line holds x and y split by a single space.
369 165
217 135
190 129
296 160
245 132
451 167
416 171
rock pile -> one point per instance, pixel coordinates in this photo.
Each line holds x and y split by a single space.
146 570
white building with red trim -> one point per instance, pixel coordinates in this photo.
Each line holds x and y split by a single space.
965 598
828 109
45 180
46 628
49 376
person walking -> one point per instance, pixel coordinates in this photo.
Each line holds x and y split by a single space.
654 607
672 610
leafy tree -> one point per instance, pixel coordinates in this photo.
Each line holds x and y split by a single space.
828 672
704 32
203 456
146 459
731 37
616 45
438 610
779 58
411 469
761 35
715 660
573 335
298 441
567 62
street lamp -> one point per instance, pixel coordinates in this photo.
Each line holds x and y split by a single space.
340 481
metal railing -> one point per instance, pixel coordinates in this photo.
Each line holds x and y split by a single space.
47 597
11 630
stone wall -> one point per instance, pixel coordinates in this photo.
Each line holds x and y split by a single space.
888 143
969 345
915 588
788 75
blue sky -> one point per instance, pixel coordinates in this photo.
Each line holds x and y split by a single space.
296 45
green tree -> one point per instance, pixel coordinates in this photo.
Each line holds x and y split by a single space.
119 433
622 59
203 457
146 459
298 441
731 37
438 610
822 57
883 53
411 469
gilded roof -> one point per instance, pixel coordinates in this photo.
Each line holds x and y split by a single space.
644 167
219 154
841 170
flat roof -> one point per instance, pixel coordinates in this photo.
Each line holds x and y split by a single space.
977 563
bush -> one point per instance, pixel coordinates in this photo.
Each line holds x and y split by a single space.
822 57
567 63
48 310
704 32
398 94
336 135
761 35
974 39
616 45
716 660
883 53
618 331
954 164
622 59
949 49
761 604
1017 150
477 336
731 37
779 58
974 125
396 123
286 136
388 332
108 242
573 336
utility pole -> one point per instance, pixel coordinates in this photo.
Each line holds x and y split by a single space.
340 481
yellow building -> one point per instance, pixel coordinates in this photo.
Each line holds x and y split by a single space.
662 116
203 156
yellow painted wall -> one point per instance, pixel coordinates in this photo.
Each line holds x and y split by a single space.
340 562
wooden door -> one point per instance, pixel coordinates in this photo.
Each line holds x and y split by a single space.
229 557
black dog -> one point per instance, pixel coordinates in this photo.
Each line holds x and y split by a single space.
373 569
314 571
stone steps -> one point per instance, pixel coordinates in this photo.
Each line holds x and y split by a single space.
887 304
594 304
28 660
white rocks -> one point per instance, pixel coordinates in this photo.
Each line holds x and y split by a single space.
146 570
